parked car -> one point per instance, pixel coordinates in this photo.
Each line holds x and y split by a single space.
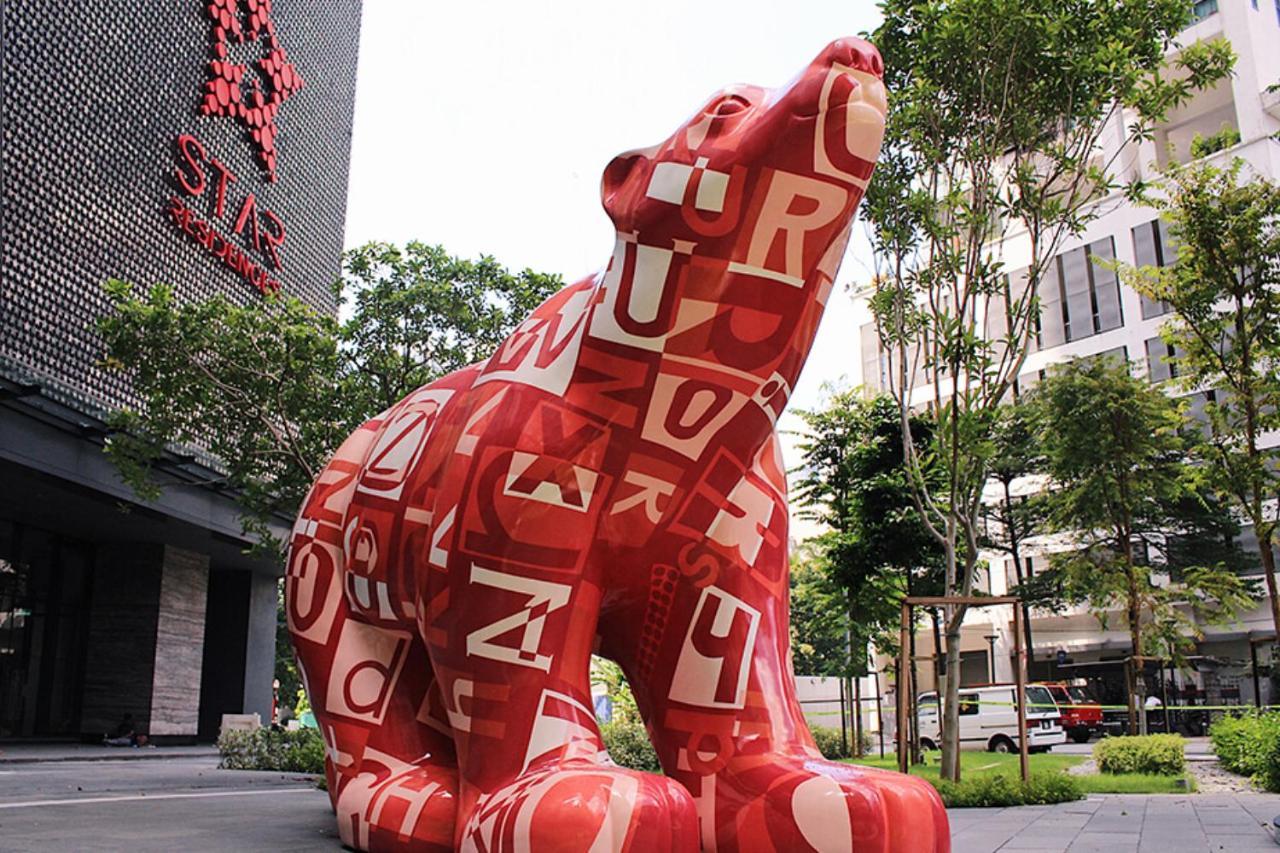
1081 715
989 719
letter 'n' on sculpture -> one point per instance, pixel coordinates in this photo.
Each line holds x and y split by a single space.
609 481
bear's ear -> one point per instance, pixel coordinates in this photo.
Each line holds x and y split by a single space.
619 185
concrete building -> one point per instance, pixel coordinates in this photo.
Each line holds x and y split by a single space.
1086 311
206 146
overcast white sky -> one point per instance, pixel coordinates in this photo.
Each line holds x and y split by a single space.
484 126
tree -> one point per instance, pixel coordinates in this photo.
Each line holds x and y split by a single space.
854 483
874 549
1223 290
1125 495
819 618
267 391
997 113
1013 518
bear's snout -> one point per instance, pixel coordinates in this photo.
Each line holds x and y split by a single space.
853 53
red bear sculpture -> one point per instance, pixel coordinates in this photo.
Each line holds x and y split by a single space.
608 481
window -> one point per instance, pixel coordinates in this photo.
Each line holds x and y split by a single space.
1039 699
968 704
1079 297
1118 356
1012 296
1202 9
1160 361
1152 247
1053 316
872 365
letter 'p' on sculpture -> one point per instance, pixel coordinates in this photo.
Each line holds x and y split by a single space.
608 481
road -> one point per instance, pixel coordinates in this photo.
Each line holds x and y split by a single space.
167 805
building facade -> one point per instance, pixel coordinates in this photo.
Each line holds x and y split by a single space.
1085 311
204 145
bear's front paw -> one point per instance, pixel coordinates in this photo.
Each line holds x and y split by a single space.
797 804
578 807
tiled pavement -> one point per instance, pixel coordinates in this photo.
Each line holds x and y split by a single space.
1201 823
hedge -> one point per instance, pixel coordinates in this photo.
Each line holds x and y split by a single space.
300 751
992 790
1249 744
1161 755
629 746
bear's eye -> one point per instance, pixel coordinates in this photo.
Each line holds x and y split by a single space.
729 105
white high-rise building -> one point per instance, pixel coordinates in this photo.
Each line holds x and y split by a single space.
1086 311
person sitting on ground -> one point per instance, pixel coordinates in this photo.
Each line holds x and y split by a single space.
125 734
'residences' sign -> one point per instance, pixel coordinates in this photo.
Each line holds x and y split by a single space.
239 232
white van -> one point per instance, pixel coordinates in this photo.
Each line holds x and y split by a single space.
989 719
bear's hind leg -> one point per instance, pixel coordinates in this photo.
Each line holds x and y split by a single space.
512 653
389 759
720 701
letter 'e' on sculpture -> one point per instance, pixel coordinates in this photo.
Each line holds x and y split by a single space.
608 481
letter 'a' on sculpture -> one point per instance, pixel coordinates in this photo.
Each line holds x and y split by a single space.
609 480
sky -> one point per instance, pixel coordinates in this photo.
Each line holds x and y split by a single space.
484 126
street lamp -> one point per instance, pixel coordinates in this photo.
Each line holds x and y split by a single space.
991 656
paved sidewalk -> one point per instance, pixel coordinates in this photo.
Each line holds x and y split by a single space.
39 753
1128 823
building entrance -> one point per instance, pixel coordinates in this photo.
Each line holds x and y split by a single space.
44 609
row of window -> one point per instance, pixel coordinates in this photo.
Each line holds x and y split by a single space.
1079 298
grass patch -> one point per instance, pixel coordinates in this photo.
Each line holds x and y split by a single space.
1134 783
974 763
977 768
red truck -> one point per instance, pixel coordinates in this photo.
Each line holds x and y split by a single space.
1081 715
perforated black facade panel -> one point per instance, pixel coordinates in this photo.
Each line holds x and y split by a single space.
95 97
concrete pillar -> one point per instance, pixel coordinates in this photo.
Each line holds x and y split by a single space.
175 687
146 636
260 647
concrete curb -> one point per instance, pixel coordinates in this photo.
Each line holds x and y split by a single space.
116 754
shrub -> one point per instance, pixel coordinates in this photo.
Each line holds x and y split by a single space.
833 747
267 749
990 790
629 746
1159 754
829 743
1249 744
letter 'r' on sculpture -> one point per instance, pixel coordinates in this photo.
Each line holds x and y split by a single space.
608 481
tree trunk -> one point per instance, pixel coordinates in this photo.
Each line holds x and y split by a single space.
951 706
1135 640
914 717
1015 552
1266 551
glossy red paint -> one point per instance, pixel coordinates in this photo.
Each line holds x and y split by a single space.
609 480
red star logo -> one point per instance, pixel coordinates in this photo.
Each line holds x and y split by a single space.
255 101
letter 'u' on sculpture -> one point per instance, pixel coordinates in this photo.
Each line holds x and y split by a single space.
609 480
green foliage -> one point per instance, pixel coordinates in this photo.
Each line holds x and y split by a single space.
608 674
1249 744
629 746
1158 754
819 617
251 386
269 389
853 481
1224 329
418 313
1126 496
1203 146
997 111
301 751
997 790
830 743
